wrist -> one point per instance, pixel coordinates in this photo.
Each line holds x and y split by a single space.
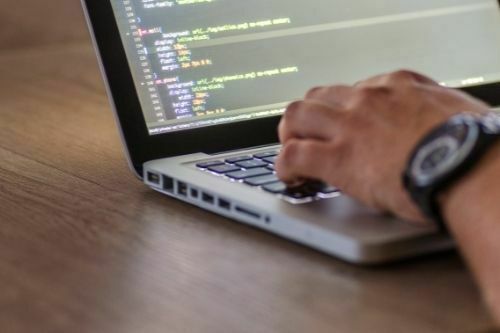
472 194
471 211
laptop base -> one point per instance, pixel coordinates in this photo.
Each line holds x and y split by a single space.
338 226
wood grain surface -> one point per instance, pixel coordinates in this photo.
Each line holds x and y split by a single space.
85 247
34 22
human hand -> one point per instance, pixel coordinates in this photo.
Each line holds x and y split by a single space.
359 137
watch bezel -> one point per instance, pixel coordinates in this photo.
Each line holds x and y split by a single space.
431 142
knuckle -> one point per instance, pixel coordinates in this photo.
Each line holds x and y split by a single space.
292 113
369 95
315 92
308 151
365 94
289 152
339 90
402 75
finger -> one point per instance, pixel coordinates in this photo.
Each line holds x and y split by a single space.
304 159
309 119
336 96
397 78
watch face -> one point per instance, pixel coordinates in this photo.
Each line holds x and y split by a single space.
444 150
441 150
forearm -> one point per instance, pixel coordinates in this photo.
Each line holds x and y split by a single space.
472 211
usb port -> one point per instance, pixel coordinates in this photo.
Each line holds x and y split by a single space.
168 184
182 189
153 178
224 204
208 198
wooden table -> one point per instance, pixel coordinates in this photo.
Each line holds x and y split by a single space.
85 247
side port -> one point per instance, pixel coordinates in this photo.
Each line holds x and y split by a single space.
182 189
247 212
168 184
153 178
224 204
207 198
194 193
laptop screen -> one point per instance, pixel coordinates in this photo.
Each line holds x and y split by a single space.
201 63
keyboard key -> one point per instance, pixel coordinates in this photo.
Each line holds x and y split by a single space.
327 189
271 167
262 180
224 168
275 188
209 164
299 193
251 164
244 174
320 187
237 159
266 154
270 160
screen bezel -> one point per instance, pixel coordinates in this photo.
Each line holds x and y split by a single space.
143 147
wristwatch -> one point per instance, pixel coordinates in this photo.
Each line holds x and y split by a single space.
445 155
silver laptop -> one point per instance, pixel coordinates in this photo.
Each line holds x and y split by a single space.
198 87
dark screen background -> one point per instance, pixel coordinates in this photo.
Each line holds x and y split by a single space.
455 41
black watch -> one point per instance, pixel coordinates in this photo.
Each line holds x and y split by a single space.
445 155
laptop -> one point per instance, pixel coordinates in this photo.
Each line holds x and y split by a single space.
198 88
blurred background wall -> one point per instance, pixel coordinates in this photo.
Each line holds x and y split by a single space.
27 23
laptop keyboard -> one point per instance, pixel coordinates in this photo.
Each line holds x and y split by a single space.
257 171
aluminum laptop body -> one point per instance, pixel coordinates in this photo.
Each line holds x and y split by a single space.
197 81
